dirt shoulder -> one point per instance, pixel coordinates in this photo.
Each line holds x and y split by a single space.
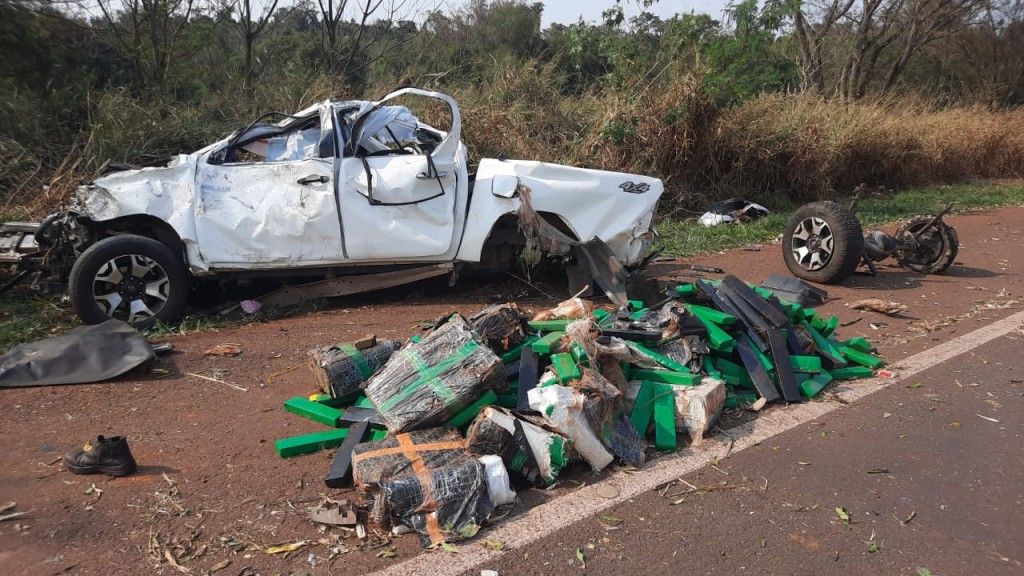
212 487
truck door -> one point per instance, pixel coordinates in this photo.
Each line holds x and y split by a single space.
401 203
269 202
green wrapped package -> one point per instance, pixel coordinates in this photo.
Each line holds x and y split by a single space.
428 382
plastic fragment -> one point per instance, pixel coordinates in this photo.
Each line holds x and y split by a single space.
549 343
562 408
467 414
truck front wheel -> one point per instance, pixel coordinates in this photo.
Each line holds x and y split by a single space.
823 242
131 278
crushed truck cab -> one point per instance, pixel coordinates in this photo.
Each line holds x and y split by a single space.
341 187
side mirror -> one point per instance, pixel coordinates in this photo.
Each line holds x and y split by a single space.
504 186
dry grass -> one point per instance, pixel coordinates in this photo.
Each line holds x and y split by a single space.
776 148
806 147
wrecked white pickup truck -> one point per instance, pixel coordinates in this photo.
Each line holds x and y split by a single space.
337 190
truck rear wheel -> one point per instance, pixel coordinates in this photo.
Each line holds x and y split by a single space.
131 278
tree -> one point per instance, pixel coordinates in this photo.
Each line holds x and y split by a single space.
147 32
250 31
880 37
811 39
348 45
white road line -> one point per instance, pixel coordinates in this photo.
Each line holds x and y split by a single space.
566 510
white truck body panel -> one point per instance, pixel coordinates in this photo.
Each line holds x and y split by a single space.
406 207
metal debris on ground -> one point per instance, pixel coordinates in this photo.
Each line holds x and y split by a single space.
438 432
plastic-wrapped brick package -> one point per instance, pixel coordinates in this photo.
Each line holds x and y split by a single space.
375 462
526 449
344 368
604 411
443 505
563 410
500 325
428 382
698 407
688 350
427 481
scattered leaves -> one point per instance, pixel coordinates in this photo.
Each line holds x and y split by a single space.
843 514
469 530
878 471
955 424
922 571
581 558
986 418
493 544
449 547
226 349
388 552
913 386
174 562
909 517
285 548
220 566
610 519
880 306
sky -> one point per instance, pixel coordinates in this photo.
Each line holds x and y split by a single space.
570 11
562 11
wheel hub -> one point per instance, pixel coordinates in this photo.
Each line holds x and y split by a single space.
131 288
812 243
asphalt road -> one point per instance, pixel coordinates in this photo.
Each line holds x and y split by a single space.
930 474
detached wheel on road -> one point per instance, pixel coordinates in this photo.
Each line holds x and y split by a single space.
823 243
131 278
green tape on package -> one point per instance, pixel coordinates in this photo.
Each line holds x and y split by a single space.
357 357
430 376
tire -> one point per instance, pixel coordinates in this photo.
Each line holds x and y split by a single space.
938 250
823 243
132 278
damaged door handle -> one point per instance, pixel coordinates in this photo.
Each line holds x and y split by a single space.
314 179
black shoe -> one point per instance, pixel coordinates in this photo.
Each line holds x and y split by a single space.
110 456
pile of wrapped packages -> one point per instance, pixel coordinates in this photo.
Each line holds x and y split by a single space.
439 431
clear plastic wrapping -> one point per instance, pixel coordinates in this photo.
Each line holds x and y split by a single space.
425 480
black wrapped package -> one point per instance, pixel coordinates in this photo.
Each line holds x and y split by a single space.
428 382
425 480
443 505
374 462
500 325
342 368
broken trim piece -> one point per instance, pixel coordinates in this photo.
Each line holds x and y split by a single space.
346 285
